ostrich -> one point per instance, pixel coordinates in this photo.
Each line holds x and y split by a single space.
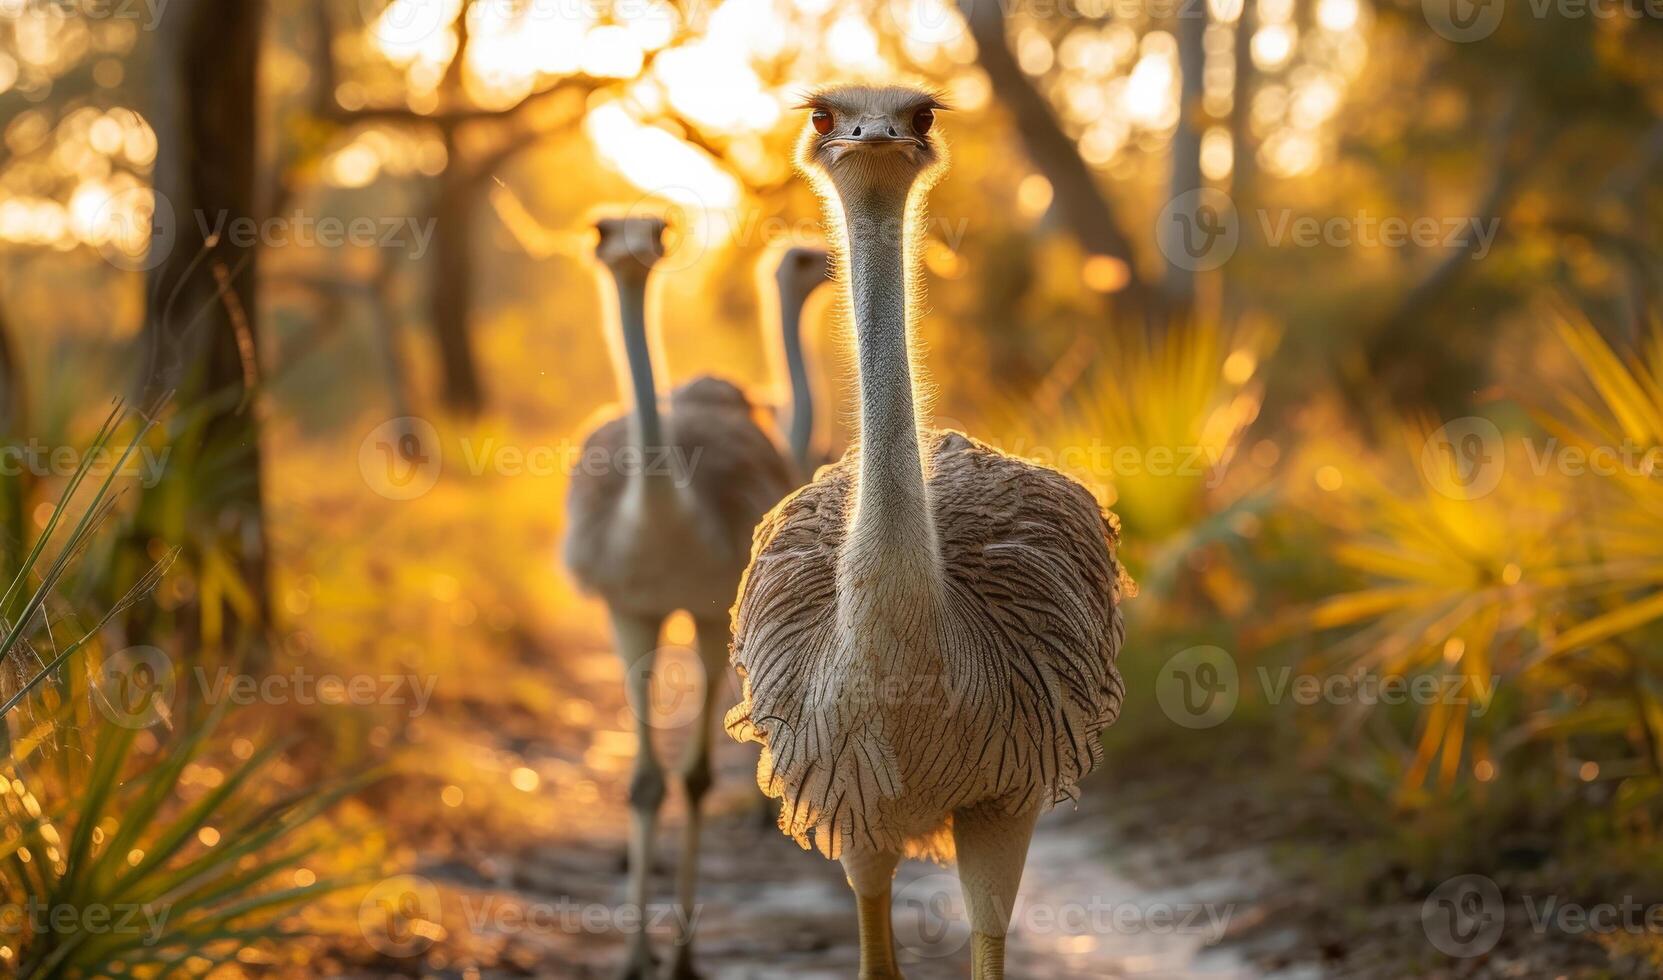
800 272
666 526
927 632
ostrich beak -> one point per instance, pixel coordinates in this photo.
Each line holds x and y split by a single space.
873 141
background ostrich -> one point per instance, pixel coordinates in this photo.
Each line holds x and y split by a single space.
927 632
801 271
666 527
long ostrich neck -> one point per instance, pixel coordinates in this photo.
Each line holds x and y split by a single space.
892 536
802 396
646 428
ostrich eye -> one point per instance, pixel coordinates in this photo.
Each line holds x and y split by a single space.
922 120
822 121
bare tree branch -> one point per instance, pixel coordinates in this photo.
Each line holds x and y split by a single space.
1080 201
1509 162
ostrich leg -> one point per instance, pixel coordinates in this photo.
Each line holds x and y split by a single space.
637 639
870 875
992 847
695 773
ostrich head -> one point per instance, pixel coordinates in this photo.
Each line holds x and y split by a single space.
630 247
801 271
872 142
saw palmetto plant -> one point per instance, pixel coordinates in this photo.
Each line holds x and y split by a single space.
1156 429
127 850
1533 601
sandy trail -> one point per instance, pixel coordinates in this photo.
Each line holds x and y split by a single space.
771 910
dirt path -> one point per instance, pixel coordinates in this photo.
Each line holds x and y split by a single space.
540 892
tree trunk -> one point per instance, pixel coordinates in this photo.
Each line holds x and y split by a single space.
1399 348
14 490
199 335
1179 281
452 296
13 398
1244 161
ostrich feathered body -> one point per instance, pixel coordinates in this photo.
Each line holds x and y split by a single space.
678 539
996 696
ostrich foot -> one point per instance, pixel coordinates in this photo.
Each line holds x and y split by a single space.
987 957
877 943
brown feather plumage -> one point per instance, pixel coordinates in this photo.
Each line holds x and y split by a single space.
687 551
1025 682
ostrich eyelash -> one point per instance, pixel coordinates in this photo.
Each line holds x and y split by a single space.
932 100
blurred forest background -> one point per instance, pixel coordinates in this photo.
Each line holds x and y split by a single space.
333 255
